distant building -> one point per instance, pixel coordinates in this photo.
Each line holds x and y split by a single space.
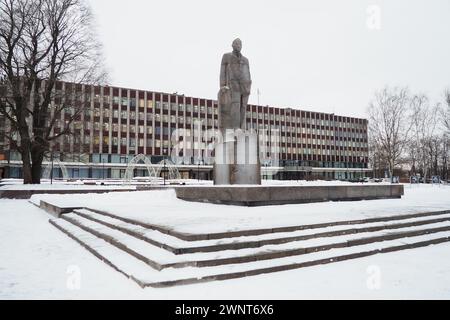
121 123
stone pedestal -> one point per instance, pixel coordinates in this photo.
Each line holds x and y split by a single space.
237 159
276 195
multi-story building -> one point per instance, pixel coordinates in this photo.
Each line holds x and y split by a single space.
119 123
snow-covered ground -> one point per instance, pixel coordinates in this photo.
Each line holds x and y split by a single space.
17 184
39 261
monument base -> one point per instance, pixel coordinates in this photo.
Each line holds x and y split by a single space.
274 195
237 159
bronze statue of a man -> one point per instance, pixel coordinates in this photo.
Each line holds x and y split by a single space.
235 85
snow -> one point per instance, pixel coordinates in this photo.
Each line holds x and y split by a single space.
12 184
37 260
162 256
161 207
179 243
17 184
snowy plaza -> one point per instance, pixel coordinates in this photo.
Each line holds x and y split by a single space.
49 264
168 151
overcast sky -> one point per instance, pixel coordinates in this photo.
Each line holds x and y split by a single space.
321 55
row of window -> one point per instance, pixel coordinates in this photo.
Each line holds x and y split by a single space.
187 145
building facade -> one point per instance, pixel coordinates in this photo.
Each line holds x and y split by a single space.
118 123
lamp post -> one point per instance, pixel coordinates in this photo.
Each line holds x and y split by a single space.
362 165
164 161
51 170
103 169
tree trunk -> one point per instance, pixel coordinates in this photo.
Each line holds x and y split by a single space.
26 166
37 155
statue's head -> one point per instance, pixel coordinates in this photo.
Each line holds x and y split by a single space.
237 45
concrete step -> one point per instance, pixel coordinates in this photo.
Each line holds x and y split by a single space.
257 232
159 258
140 272
178 246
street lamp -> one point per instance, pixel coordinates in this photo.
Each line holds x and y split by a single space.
103 169
164 161
51 170
362 165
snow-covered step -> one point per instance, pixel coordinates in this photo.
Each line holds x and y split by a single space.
340 254
258 232
179 246
116 258
159 258
146 276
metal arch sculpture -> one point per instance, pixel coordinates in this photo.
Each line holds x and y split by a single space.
132 165
174 174
48 168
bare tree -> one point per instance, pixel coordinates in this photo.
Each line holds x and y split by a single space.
43 42
424 121
445 113
389 127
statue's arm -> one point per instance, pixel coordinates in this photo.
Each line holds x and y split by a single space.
223 72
